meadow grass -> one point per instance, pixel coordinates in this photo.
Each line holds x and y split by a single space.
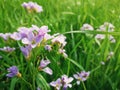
84 53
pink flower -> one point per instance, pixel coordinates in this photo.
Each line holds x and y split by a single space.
82 76
60 39
7 49
43 67
57 84
87 27
32 6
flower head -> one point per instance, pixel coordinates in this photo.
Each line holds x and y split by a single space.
63 52
82 76
57 84
13 71
5 36
32 6
33 35
48 47
7 49
63 82
60 39
26 51
66 81
107 26
87 27
15 36
43 67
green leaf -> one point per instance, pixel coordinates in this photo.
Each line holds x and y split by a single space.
75 63
13 82
42 83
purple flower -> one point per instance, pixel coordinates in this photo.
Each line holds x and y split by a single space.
82 76
112 39
107 26
100 36
66 81
63 52
63 82
26 51
15 36
60 39
7 49
5 36
43 67
31 6
87 27
33 35
48 47
57 84
13 71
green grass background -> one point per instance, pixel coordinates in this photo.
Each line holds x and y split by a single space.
69 15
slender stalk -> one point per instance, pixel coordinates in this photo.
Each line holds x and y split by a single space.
27 82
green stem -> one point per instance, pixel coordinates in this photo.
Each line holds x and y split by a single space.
84 85
75 63
27 82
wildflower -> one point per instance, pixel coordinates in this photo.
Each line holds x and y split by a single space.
112 39
110 28
5 36
62 51
107 26
60 39
100 36
66 81
43 67
33 35
43 30
48 37
32 6
26 51
48 47
15 36
82 76
63 82
110 55
13 71
87 27
57 84
7 49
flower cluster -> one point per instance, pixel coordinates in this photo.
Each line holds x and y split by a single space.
106 27
7 49
32 6
64 82
38 38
